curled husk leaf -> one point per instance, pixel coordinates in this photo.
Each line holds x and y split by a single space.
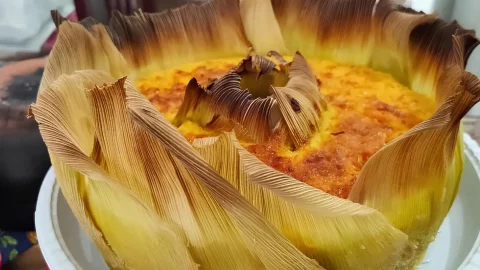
193 32
226 98
428 55
330 29
132 180
91 191
426 162
300 101
261 26
237 97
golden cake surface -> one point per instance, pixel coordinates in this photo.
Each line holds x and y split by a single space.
365 110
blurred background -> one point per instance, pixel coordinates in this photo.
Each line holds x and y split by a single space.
27 35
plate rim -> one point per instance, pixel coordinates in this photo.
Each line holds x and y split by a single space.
57 255
50 241
472 151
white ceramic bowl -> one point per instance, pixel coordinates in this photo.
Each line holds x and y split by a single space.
65 246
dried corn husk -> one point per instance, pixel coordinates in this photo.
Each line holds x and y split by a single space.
134 182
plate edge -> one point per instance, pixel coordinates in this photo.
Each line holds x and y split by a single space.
472 150
50 245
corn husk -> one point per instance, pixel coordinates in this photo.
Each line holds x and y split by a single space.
302 89
150 200
225 99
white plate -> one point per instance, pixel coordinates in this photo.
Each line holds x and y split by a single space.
65 246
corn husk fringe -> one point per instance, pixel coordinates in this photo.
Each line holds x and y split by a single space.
133 181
